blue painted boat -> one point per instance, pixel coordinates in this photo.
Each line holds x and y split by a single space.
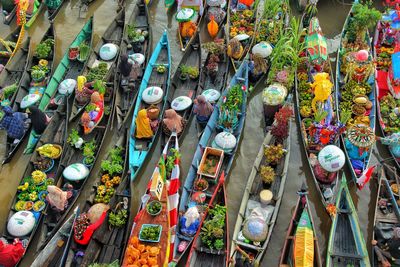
212 129
160 59
357 165
346 245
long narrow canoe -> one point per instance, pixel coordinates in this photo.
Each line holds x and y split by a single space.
360 164
235 20
167 215
384 53
252 192
106 244
29 19
72 156
183 90
11 77
6 53
139 148
210 11
53 11
387 215
216 82
128 87
197 7
328 185
54 134
66 69
52 253
200 254
112 35
301 243
346 242
240 79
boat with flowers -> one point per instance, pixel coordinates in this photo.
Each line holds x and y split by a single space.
301 242
100 62
101 229
152 236
62 83
214 72
150 104
136 44
355 92
214 155
263 193
387 80
316 103
273 21
189 16
30 200
80 155
346 246
240 28
210 245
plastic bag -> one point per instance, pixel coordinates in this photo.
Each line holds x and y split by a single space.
255 227
190 222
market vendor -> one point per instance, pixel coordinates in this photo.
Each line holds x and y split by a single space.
125 66
203 109
190 222
172 122
143 127
38 118
83 91
10 254
91 118
83 234
58 198
15 123
393 141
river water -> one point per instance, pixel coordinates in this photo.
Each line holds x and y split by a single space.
332 14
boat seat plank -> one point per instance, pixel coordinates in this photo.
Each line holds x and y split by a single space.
346 255
250 246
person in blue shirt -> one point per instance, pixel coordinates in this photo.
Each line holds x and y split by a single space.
15 123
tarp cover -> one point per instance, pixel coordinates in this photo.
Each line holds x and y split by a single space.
304 242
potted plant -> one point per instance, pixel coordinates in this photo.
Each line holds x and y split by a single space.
161 69
364 17
184 69
118 218
201 185
154 208
267 174
74 139
212 64
274 153
280 129
212 232
38 75
43 50
89 148
193 72
217 47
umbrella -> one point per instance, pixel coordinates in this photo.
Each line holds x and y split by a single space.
316 44
361 136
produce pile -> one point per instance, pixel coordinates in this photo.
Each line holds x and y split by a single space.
140 255
213 230
50 151
111 171
242 22
384 58
136 35
305 95
150 232
97 73
390 119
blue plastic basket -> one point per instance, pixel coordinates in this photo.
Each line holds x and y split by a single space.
150 225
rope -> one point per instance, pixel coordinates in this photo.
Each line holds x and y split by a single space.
20 38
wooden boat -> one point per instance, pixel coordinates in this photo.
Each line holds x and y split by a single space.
72 156
357 166
52 254
217 82
209 12
55 134
346 242
225 164
6 54
52 13
128 86
112 35
180 89
300 236
252 194
387 215
234 17
157 190
66 69
160 59
328 185
385 91
200 253
107 242
29 19
197 6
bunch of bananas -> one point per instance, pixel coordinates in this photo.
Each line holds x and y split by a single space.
49 151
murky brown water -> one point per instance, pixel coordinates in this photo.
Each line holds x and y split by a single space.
332 14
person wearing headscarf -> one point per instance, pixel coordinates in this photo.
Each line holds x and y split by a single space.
393 141
125 66
172 122
10 254
13 123
83 90
38 118
202 108
143 127
57 198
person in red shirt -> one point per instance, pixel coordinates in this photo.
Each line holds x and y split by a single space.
11 254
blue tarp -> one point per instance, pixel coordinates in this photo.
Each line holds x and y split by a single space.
396 65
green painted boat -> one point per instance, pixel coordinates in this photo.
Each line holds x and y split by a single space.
66 69
346 245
